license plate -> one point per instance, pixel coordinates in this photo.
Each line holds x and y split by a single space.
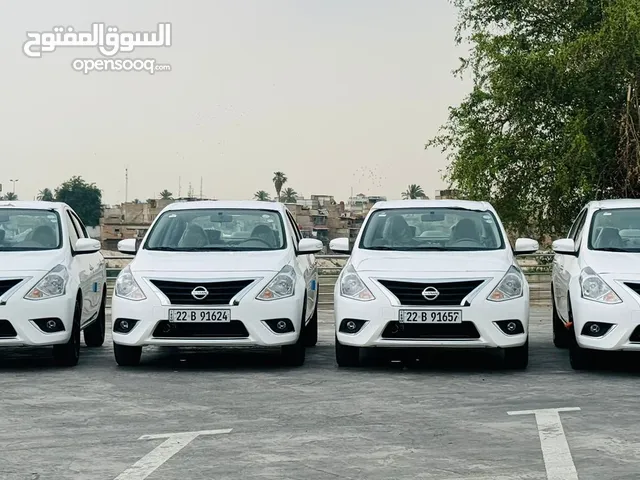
430 316
199 315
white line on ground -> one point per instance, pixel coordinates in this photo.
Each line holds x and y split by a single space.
155 458
555 449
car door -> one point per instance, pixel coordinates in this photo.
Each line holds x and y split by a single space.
96 267
565 266
307 264
80 268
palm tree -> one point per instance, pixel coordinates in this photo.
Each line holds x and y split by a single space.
289 195
261 195
166 194
45 195
279 179
11 196
414 191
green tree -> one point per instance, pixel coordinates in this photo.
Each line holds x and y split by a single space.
85 198
279 179
10 196
45 195
414 191
166 194
289 195
552 119
262 196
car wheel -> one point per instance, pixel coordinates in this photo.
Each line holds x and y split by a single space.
579 358
311 330
68 354
561 334
127 356
294 355
347 356
517 358
94 333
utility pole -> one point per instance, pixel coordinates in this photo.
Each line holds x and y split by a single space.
126 193
14 184
179 186
200 188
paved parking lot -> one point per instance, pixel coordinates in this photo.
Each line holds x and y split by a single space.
446 417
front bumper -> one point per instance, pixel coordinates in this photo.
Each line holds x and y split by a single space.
625 318
480 317
20 315
251 313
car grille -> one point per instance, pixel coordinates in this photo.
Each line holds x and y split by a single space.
220 293
7 330
455 331
232 329
450 293
6 285
634 286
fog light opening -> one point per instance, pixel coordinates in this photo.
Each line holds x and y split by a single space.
51 325
595 329
512 327
351 326
281 325
125 325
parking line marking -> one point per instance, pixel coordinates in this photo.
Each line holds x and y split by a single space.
155 458
555 449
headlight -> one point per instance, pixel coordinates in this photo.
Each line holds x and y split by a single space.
53 284
595 288
510 287
352 286
282 286
127 287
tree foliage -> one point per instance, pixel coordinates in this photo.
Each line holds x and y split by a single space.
413 191
166 194
289 195
552 120
10 196
46 195
261 195
279 179
85 198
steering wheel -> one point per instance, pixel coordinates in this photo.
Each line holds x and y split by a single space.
257 239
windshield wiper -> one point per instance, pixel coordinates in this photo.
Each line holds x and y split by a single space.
162 249
614 249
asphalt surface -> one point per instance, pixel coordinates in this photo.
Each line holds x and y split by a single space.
443 418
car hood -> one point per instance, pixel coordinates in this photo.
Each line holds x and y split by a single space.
149 261
487 261
613 262
32 261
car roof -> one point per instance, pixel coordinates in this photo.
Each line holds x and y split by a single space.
615 203
466 204
246 204
33 205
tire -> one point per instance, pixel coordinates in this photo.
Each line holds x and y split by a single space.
127 356
311 330
347 356
517 358
579 358
561 334
94 333
294 355
68 354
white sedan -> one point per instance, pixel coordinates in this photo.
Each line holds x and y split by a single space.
216 273
52 280
596 282
432 274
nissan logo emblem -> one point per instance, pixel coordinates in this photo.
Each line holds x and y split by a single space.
430 293
199 293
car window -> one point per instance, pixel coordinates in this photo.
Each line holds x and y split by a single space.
217 229
576 223
29 230
74 234
580 227
418 228
294 227
80 228
615 230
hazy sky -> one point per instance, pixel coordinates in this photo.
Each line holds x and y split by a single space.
338 94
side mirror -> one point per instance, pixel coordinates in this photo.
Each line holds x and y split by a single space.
87 245
308 246
526 246
565 246
340 245
128 246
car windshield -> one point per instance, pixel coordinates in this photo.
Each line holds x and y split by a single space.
439 229
29 229
615 230
217 229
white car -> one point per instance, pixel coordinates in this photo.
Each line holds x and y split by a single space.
52 280
596 282
216 273
460 287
